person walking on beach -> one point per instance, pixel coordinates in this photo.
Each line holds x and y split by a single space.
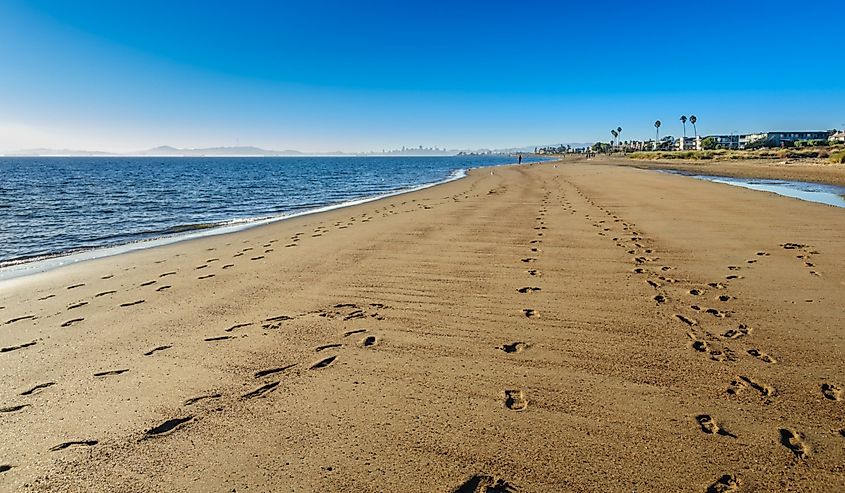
520 158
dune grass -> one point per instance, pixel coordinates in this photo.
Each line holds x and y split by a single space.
836 156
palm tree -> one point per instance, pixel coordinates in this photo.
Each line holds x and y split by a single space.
684 121
693 119
657 126
614 134
619 133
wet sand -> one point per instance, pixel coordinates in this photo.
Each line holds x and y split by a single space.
555 327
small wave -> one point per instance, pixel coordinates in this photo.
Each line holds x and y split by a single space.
184 228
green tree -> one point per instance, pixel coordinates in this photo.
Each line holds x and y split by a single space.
693 119
684 121
657 126
708 143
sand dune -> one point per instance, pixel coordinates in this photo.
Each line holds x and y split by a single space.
555 327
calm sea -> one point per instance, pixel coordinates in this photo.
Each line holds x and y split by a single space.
55 206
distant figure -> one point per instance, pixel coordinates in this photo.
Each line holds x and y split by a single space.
520 159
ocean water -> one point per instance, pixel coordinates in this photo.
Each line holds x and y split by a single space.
53 206
808 191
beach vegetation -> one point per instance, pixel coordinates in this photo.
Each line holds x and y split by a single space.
837 157
709 154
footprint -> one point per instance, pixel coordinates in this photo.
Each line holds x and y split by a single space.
327 346
261 391
209 276
258 257
741 331
743 382
700 346
132 303
352 332
47 297
794 441
272 371
167 274
534 272
218 338
38 388
726 484
368 341
715 285
514 347
18 319
110 373
530 313
75 443
660 298
72 321
5 468
200 267
156 349
716 313
194 400
761 356
686 320
163 288
19 346
832 391
528 260
528 289
515 400
323 363
13 409
228 266
148 283
104 293
724 297
485 484
238 326
167 427
77 305
709 425
74 286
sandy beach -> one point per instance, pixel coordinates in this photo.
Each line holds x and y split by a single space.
572 327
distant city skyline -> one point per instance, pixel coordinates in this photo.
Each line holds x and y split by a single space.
328 76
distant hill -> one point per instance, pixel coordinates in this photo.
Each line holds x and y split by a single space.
215 151
57 152
170 151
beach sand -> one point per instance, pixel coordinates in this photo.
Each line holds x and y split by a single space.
555 327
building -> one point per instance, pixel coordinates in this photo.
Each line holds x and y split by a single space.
733 141
688 144
767 139
838 137
786 139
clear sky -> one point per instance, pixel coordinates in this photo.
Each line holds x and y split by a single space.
365 75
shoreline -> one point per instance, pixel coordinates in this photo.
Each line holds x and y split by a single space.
15 269
594 316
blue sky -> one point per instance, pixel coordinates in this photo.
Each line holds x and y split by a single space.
339 75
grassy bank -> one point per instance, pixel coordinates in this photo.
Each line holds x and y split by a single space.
834 155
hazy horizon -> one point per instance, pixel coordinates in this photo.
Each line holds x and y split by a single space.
321 77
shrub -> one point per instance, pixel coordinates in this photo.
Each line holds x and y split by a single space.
838 157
